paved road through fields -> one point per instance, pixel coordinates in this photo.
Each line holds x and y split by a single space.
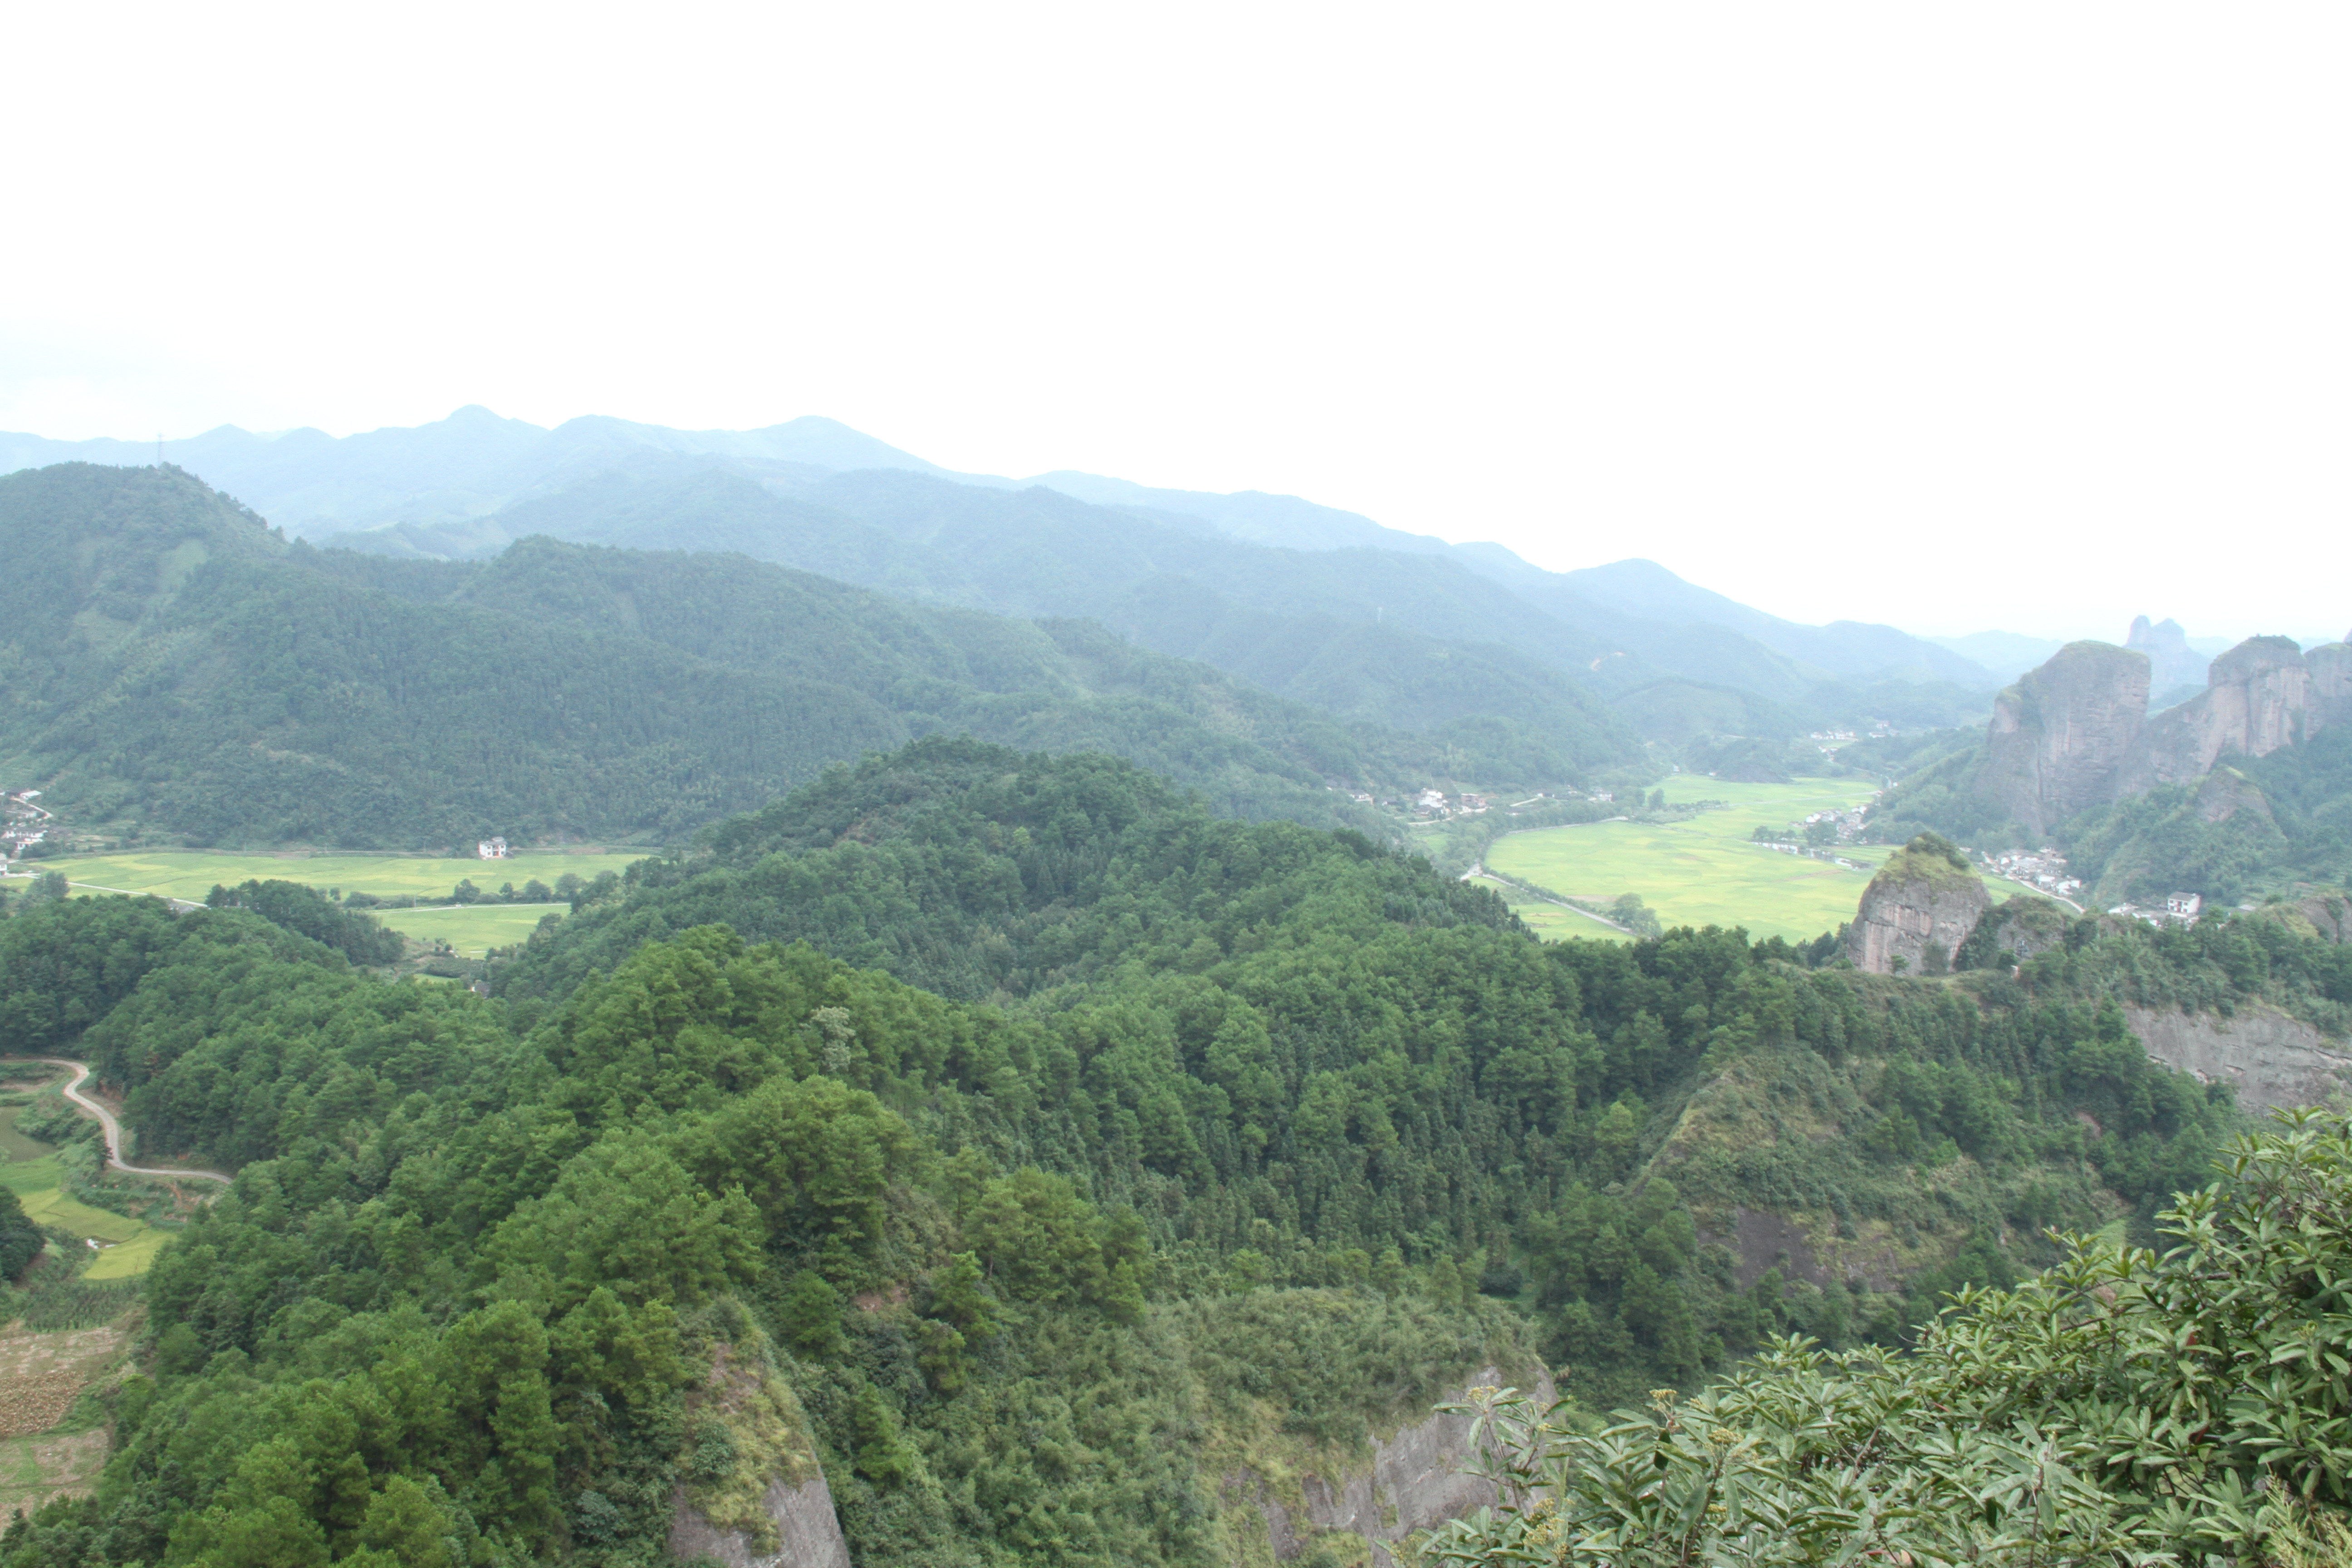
113 1129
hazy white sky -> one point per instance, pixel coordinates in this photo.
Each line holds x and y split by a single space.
2027 316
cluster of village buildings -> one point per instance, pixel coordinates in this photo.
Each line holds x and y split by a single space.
1435 805
23 822
2045 870
2042 870
2179 909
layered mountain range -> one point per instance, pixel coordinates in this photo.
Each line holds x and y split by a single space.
1321 605
176 665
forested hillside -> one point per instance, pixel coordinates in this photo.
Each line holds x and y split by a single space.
175 668
1035 1147
1396 637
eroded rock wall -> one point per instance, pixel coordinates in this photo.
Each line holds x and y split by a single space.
2255 704
808 1534
773 1510
1923 896
2060 736
1414 1482
2329 668
2268 1058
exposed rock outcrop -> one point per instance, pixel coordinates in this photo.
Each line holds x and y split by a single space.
2330 917
808 1535
2329 668
2253 705
2061 736
2327 916
1414 1482
1919 909
2268 1058
759 1500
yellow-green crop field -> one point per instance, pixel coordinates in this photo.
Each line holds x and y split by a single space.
1550 921
191 873
30 1170
471 931
1706 870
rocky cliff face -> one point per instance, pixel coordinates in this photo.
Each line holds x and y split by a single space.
2060 735
2225 792
2268 1058
2328 917
807 1534
1414 1482
1919 909
773 1510
2330 670
2254 704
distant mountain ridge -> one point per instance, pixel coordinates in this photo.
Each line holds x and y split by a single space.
176 665
432 490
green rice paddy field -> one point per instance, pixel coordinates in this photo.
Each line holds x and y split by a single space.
191 873
30 1170
1705 871
1550 921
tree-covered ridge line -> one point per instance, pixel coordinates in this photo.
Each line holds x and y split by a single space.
1398 638
1049 1133
177 668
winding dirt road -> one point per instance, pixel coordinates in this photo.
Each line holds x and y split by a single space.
114 1129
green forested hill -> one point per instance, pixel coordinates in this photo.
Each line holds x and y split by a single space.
1399 639
1402 641
171 664
1067 1144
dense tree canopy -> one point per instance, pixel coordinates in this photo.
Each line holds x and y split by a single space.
1022 1136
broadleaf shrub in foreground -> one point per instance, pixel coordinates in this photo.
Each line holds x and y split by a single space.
2123 1407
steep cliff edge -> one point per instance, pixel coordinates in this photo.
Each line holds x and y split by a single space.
754 1496
1918 910
2014 932
2330 669
2060 736
2254 703
2269 1059
1411 1482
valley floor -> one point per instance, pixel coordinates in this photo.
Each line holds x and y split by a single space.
1706 870
189 874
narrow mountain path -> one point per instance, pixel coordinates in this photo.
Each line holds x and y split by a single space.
114 1129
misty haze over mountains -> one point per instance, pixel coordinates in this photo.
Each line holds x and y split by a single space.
444 490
